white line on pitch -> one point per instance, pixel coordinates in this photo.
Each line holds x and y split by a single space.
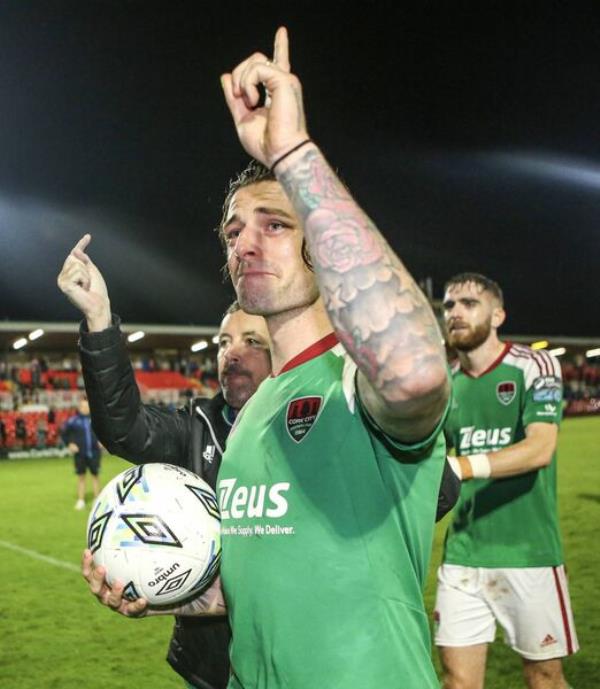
39 556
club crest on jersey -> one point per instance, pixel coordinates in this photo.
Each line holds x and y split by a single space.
506 392
301 415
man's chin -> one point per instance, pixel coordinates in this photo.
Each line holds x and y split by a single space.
467 343
236 398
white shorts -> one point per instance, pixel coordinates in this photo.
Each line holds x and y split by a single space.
531 604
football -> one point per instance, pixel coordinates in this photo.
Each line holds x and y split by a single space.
156 528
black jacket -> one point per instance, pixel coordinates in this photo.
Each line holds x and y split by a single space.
192 437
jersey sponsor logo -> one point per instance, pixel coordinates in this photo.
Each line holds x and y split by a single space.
471 437
238 501
549 410
547 389
301 416
506 392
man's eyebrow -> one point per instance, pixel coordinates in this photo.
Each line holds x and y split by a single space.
231 219
264 210
245 333
253 333
461 300
261 210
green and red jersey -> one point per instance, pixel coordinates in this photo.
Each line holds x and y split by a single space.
327 529
507 522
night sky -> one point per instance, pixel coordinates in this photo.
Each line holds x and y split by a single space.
468 131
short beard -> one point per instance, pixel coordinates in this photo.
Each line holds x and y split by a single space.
475 338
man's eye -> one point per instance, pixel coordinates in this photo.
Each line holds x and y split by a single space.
230 235
275 225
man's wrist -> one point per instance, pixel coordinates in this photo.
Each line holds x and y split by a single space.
287 158
467 467
99 322
479 465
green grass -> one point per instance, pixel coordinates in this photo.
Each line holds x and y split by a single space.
54 635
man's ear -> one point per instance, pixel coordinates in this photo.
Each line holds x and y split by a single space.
498 316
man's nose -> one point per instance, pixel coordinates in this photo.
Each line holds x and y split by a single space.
233 352
247 243
454 311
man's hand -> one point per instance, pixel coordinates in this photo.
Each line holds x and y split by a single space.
73 448
84 285
269 131
210 602
112 597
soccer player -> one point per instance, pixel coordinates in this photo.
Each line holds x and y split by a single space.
503 559
328 488
81 441
335 463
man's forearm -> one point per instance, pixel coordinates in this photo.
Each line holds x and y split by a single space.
126 427
210 603
379 313
532 453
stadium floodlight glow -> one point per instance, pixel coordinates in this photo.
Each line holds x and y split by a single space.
20 343
558 351
137 335
216 339
34 334
198 346
540 344
593 352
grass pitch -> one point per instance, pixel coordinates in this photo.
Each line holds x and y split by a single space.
54 635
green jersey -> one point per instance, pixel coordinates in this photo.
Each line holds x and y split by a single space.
327 527
507 522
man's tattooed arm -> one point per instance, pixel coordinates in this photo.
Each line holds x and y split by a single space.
378 312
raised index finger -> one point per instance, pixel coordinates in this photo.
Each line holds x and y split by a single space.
281 50
79 249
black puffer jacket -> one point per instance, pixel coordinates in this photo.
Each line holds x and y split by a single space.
192 437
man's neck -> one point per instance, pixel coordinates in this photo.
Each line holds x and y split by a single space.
294 331
478 360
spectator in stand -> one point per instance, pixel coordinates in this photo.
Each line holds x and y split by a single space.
3 434
20 432
78 435
36 374
41 433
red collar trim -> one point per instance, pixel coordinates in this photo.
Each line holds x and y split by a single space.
492 366
311 352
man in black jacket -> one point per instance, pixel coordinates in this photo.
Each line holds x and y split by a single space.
192 437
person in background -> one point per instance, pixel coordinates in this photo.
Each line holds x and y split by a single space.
503 560
79 437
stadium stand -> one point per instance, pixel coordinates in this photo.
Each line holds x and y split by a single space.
41 387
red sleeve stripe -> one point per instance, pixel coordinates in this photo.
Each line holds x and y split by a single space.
563 608
526 353
552 364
